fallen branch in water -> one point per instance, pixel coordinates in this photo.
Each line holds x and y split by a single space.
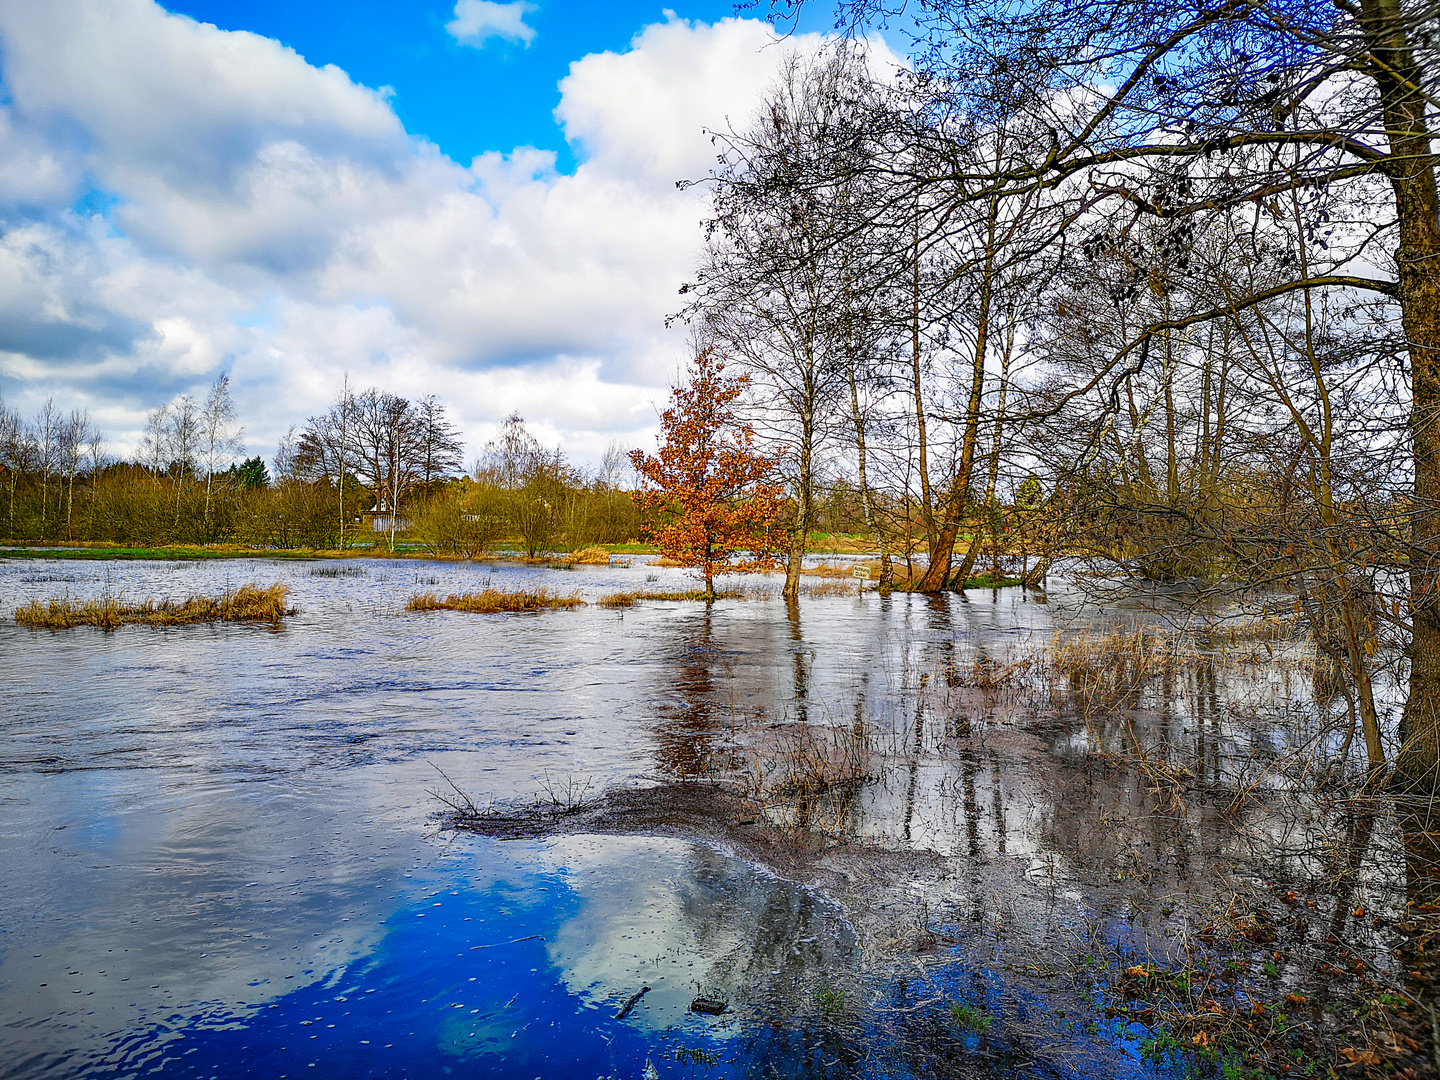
632 1002
512 941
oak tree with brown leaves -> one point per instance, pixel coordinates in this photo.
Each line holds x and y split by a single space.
714 495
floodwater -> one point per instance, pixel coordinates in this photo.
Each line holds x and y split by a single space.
220 856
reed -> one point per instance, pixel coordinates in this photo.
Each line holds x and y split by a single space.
835 570
492 602
249 603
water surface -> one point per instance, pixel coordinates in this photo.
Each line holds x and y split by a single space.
218 852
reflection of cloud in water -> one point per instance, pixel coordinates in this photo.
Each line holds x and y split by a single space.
684 919
165 903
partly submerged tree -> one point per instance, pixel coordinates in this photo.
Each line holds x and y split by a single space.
716 496
1219 111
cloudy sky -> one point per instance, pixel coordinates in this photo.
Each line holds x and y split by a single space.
474 199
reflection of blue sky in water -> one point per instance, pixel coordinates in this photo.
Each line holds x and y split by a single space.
450 988
516 961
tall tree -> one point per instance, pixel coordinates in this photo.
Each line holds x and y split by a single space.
439 442
388 460
779 288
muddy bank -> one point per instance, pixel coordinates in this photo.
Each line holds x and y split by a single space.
716 815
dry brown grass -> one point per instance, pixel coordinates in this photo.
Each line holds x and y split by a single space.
492 602
590 556
843 570
249 603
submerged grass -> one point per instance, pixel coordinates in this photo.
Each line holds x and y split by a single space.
249 603
834 588
492 602
630 599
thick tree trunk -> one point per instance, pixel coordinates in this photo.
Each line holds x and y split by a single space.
942 550
942 546
1412 177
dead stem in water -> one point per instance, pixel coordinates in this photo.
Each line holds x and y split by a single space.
492 602
249 603
800 772
833 588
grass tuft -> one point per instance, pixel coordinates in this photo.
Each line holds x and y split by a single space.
249 603
492 602
990 581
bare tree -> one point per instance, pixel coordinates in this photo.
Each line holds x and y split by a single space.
49 423
78 436
389 450
533 478
154 444
779 289
1181 113
220 437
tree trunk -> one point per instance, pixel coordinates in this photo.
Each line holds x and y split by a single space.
942 550
804 509
927 506
1412 177
937 574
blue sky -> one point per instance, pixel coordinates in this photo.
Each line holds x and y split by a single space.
466 99
299 193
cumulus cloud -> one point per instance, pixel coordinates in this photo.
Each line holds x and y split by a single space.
177 201
477 21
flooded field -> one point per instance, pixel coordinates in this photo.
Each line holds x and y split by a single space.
1001 834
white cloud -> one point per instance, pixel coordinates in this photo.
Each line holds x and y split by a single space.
477 21
255 214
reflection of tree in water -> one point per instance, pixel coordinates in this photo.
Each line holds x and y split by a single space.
1066 781
768 936
693 736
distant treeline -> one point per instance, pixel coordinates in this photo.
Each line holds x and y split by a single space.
373 468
